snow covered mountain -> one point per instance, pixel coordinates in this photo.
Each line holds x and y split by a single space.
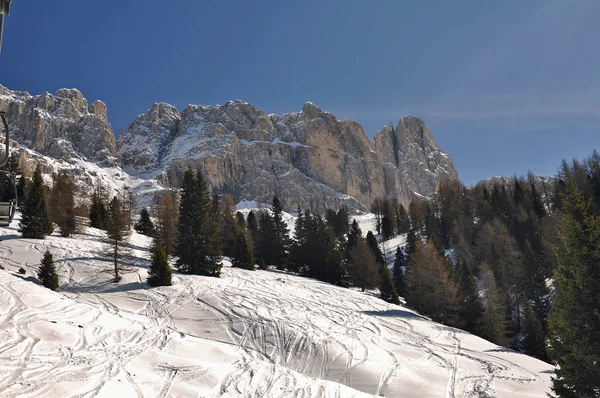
246 334
61 126
310 158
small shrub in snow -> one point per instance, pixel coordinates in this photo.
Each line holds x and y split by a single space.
22 271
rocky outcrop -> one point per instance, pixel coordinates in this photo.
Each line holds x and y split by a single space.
60 125
310 158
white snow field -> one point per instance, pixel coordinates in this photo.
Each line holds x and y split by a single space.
246 334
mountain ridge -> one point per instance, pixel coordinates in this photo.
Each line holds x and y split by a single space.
310 158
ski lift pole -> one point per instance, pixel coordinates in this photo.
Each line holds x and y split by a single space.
6 150
4 10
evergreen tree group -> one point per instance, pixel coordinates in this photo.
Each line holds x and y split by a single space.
199 247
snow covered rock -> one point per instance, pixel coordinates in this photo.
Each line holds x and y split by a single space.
60 125
309 158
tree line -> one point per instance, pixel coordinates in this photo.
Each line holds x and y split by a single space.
515 262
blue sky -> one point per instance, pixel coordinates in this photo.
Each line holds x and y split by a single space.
504 87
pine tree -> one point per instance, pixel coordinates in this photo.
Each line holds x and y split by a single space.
145 225
404 221
199 248
160 272
63 204
35 219
534 338
280 245
398 271
252 225
242 253
266 238
388 220
47 272
98 211
116 232
298 255
354 235
374 246
386 287
227 224
240 220
411 244
574 318
336 270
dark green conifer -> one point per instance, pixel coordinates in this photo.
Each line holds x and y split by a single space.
47 272
398 271
387 288
145 225
160 272
374 246
281 243
35 219
574 318
98 212
242 254
199 248
534 338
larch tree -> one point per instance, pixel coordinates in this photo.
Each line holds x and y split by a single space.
167 218
62 202
430 288
116 232
363 268
35 219
494 327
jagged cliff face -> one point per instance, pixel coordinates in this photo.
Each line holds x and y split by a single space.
310 158
61 126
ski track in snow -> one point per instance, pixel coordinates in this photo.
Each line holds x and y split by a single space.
247 334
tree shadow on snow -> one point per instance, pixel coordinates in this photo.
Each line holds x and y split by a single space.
27 278
126 287
395 314
10 237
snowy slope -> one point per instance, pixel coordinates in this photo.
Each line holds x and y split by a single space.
247 334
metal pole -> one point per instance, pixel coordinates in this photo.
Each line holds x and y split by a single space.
1 30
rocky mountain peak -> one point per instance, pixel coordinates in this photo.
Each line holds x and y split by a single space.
60 125
309 158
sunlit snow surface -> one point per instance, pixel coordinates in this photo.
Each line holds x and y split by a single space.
247 334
